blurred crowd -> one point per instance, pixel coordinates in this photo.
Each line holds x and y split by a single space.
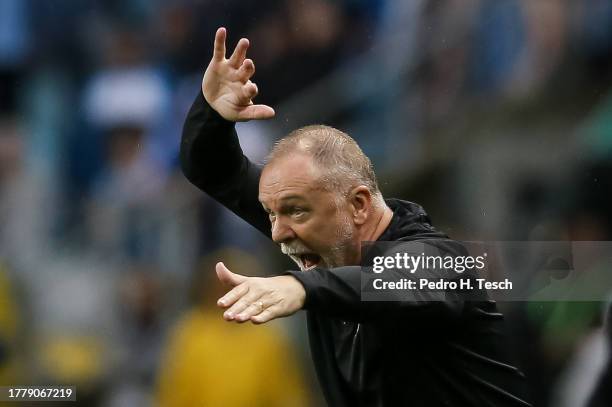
496 116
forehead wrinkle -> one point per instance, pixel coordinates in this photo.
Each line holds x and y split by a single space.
285 192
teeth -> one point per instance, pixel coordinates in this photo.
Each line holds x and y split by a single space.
310 261
306 261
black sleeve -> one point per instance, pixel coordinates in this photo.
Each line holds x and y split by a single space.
346 292
211 159
337 293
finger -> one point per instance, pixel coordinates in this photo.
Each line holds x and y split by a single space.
256 112
246 71
219 50
266 315
239 53
233 295
242 304
250 90
227 277
255 308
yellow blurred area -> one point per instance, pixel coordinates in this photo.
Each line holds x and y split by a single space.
210 362
72 359
9 368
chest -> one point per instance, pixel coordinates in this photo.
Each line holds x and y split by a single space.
357 350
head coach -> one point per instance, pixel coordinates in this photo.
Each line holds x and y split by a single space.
317 197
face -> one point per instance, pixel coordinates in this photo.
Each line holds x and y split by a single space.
313 226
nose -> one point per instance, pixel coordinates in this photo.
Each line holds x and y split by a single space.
282 232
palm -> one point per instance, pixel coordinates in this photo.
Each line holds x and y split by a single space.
227 86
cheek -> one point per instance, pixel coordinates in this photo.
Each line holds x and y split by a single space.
323 232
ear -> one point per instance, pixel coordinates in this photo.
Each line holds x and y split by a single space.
361 204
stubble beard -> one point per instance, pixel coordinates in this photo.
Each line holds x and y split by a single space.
340 252
337 256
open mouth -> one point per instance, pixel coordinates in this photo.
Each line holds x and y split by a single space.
307 261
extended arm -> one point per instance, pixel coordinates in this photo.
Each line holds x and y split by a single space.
337 293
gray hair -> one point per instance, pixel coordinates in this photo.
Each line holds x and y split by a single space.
338 157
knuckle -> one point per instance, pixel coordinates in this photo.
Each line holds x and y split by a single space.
274 297
258 282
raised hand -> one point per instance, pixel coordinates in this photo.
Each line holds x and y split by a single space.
227 86
259 299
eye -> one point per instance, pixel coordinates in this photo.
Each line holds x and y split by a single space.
271 216
298 212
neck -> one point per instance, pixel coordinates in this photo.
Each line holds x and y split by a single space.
382 220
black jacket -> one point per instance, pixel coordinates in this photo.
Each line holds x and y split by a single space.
368 353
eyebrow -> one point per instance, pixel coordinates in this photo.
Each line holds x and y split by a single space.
284 199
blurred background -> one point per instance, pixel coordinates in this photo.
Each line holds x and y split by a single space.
496 116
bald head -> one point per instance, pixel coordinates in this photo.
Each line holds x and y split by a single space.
337 157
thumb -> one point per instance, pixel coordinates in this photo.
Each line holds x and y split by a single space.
256 112
227 277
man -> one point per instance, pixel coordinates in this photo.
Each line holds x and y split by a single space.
319 194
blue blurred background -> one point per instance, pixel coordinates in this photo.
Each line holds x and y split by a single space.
494 115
